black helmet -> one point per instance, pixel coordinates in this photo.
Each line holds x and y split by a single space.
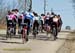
42 14
52 13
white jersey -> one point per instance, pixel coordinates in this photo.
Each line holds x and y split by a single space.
47 17
55 19
42 18
35 18
51 15
18 14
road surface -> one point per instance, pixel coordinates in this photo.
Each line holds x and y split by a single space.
41 44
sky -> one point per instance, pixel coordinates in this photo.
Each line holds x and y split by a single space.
62 7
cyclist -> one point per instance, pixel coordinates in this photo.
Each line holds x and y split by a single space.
59 23
52 15
54 23
10 18
15 14
7 16
47 20
27 19
35 21
42 21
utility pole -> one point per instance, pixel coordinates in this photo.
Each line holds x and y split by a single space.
44 6
30 4
13 4
51 9
74 7
25 6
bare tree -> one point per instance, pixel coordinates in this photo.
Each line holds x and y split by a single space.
1 1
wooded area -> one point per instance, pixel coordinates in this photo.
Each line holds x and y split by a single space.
6 5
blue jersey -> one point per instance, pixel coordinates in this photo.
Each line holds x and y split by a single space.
29 16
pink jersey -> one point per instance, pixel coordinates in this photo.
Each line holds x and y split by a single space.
11 17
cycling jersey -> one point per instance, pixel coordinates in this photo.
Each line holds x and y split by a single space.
35 18
47 19
11 17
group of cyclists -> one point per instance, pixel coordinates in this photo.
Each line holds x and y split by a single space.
32 19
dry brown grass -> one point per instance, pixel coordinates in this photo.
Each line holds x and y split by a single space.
2 26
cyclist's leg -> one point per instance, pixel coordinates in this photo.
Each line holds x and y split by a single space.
41 25
33 26
19 25
8 25
37 27
56 27
28 29
7 28
14 28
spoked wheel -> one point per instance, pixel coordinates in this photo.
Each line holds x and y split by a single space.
47 30
53 34
24 36
59 29
34 35
24 39
35 32
9 34
40 29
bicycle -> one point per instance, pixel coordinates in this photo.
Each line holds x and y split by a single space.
55 29
35 32
24 32
10 30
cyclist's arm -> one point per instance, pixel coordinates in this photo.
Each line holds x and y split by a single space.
60 21
6 19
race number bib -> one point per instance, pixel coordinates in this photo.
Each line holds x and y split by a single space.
47 18
55 19
9 18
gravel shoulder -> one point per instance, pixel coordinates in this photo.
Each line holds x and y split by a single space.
69 44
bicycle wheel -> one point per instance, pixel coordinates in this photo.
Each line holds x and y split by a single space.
35 32
24 36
